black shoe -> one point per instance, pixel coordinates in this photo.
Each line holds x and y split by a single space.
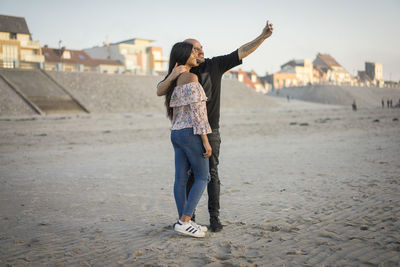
215 224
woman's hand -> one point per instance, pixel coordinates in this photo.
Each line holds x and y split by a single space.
208 149
206 145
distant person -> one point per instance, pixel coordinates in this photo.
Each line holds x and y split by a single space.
209 74
383 103
354 105
288 98
388 103
186 108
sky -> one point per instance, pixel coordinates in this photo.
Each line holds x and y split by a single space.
352 31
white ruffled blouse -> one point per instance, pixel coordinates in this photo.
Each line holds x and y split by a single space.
189 108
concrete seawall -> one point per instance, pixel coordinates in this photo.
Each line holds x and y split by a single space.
11 104
341 95
40 92
109 93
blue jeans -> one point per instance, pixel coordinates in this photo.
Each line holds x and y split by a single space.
213 187
189 153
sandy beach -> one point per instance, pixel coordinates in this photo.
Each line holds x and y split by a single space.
302 185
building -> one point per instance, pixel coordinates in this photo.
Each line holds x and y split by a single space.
279 80
319 75
374 71
156 60
136 54
17 49
259 86
77 60
372 75
248 78
363 79
241 76
303 69
332 71
275 81
265 81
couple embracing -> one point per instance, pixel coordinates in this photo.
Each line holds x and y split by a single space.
192 90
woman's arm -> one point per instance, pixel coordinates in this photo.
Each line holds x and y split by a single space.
206 145
201 125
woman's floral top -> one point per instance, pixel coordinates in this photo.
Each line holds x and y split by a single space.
189 105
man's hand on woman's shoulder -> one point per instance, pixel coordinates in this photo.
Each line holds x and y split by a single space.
177 70
162 86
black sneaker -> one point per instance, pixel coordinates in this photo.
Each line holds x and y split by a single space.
215 224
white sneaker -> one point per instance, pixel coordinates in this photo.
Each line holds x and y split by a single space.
198 226
188 229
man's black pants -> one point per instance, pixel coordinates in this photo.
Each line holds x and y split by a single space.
213 187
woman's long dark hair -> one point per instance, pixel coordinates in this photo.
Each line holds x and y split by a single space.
180 53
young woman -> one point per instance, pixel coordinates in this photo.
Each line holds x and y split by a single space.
186 108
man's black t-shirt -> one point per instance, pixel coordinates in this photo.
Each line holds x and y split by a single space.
210 74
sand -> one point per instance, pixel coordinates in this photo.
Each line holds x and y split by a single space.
302 185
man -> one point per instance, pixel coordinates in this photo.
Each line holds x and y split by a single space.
210 73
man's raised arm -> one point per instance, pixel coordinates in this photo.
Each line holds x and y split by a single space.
162 86
250 47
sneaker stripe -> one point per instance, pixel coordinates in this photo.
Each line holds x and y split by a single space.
191 230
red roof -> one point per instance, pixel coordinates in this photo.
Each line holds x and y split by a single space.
328 60
107 62
246 78
77 57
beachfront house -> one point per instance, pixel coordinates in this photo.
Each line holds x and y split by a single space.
265 82
248 78
302 68
333 72
279 80
17 49
78 61
374 70
136 54
371 76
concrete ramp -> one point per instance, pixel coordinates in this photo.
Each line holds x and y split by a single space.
11 104
43 94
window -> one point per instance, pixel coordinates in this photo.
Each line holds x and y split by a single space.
10 54
82 57
157 55
13 36
67 55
